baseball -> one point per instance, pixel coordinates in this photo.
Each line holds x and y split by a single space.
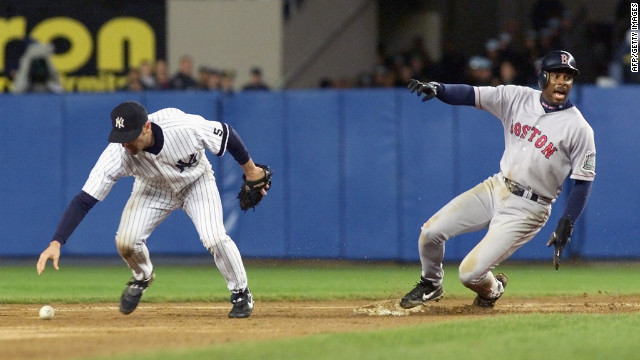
46 312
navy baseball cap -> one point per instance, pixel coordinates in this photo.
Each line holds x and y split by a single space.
127 120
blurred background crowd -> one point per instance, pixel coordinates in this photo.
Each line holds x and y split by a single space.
510 56
156 77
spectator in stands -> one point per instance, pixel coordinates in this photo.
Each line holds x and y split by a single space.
545 40
36 72
133 81
183 79
508 75
529 55
364 80
419 51
256 82
575 37
480 73
404 75
553 27
214 80
493 53
506 47
326 83
203 78
161 75
396 63
382 77
419 69
147 79
227 83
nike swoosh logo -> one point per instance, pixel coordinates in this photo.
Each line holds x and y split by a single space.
427 296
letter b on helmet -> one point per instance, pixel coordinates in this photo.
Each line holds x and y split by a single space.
558 60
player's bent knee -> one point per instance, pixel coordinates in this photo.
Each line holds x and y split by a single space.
213 243
429 235
469 276
126 245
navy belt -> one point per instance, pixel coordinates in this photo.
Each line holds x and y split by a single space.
519 190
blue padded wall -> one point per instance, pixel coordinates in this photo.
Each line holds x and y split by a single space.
356 172
258 119
426 166
370 174
315 146
612 218
31 184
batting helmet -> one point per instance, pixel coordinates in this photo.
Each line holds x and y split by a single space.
558 60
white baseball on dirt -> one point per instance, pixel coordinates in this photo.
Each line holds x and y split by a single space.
46 312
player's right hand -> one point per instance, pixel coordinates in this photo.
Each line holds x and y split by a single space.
51 252
429 90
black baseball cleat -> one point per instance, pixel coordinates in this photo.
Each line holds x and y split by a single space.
242 304
132 294
489 303
423 292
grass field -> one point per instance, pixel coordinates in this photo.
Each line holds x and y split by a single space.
513 336
580 337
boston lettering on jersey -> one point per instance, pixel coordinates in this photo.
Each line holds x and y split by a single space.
534 135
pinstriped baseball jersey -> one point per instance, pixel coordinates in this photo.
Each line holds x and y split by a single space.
172 174
540 148
181 161
165 152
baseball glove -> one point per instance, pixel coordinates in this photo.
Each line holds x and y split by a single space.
250 194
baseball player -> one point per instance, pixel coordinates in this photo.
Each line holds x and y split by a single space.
546 139
165 152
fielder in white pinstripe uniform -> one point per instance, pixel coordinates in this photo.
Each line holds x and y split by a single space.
165 152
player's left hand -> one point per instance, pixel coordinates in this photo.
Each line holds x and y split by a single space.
429 90
559 239
255 183
51 252
258 173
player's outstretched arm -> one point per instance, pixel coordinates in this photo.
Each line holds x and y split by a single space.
51 252
452 94
72 216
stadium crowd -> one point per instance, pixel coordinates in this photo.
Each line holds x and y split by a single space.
148 77
511 57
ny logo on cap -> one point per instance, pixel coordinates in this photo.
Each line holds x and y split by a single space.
564 59
119 122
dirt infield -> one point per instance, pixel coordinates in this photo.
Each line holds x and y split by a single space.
83 330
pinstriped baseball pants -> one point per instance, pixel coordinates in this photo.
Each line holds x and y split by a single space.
148 206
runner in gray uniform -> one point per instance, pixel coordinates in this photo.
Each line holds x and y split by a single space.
165 152
546 139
